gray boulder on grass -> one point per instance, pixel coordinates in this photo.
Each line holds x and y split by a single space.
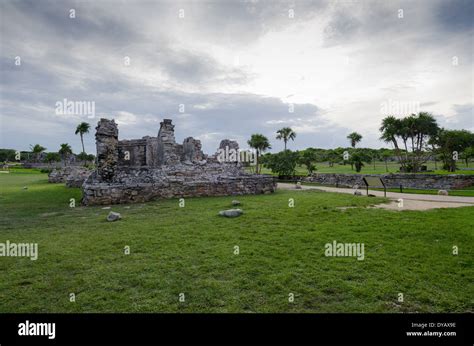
113 216
231 212
357 193
443 192
235 202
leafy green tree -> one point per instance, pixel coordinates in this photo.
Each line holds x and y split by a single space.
467 154
385 155
284 163
374 154
286 134
52 157
37 150
359 157
307 157
332 156
86 158
82 156
451 143
82 129
357 162
7 155
261 144
355 138
65 150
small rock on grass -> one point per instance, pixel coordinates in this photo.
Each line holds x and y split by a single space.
113 216
443 192
357 193
235 202
231 212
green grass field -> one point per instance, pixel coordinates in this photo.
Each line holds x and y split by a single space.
190 250
380 168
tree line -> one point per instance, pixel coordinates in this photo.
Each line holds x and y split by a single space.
38 153
415 139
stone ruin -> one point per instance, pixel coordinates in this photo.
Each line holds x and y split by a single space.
73 176
139 170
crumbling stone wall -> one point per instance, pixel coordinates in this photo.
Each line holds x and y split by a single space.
169 152
77 177
106 137
72 176
158 167
148 188
192 152
132 152
394 180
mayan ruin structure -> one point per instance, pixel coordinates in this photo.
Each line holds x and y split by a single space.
139 170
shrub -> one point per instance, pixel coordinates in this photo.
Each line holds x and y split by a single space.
283 163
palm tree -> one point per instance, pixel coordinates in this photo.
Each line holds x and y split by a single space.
357 159
286 133
391 128
65 151
81 129
37 150
355 138
260 143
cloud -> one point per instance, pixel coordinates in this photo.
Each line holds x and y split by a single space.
463 118
237 67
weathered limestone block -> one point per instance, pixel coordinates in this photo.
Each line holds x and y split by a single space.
107 149
151 152
231 213
73 176
132 152
77 177
58 175
192 152
113 216
168 151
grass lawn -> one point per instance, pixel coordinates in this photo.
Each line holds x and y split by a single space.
190 250
393 167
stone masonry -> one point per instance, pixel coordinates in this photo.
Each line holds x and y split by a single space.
71 175
144 169
394 180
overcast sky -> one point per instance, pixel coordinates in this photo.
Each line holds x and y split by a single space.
324 68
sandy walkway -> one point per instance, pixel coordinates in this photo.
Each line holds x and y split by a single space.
409 201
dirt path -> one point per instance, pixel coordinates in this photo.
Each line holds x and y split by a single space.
400 201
